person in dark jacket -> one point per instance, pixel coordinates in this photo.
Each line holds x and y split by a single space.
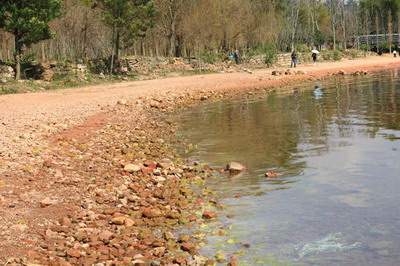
314 57
294 59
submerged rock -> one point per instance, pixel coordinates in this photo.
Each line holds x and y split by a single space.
235 168
272 174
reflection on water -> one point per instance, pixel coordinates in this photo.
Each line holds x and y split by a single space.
338 200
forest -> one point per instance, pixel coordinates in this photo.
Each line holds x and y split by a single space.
78 30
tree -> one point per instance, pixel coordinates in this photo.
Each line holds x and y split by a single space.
28 21
128 19
170 15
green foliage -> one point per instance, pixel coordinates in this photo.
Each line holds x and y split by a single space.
330 55
209 57
302 48
8 90
353 53
130 18
319 38
28 20
270 54
337 55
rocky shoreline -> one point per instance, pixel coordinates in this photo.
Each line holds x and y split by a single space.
112 191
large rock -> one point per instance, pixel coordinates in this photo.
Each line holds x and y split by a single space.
235 167
132 168
6 72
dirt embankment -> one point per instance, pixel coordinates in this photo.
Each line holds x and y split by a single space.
87 175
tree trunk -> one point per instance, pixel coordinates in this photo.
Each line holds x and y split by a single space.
112 51
333 22
390 31
117 45
17 58
377 32
172 40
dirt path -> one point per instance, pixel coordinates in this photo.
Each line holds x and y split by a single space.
25 116
36 162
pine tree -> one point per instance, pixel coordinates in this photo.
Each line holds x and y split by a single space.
128 20
28 21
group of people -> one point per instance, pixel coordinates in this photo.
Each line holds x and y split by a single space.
234 56
314 55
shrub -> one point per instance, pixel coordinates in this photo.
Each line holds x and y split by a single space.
302 48
270 54
337 55
209 57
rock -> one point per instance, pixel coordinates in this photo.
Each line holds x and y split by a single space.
220 257
203 98
19 227
165 163
138 262
72 252
188 247
105 236
151 213
233 261
122 102
272 174
47 202
209 215
341 72
119 220
235 167
132 168
65 221
159 179
184 238
129 222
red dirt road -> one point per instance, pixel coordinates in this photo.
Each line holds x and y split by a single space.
26 117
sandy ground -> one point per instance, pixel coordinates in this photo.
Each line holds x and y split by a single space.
29 122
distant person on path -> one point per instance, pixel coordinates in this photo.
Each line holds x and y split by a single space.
294 59
236 56
314 56
394 53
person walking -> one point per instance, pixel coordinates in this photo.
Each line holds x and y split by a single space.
236 56
394 53
314 56
294 59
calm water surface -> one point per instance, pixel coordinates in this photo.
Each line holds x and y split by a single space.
338 201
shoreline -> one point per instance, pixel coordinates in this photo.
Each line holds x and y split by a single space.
77 178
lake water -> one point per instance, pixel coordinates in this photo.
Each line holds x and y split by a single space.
338 150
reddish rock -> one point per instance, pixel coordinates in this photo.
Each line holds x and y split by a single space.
188 247
151 213
233 261
72 252
209 215
150 164
65 221
147 170
105 235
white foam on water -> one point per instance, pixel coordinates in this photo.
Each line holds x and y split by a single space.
331 243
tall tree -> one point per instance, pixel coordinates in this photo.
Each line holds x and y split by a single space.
129 19
169 13
28 21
